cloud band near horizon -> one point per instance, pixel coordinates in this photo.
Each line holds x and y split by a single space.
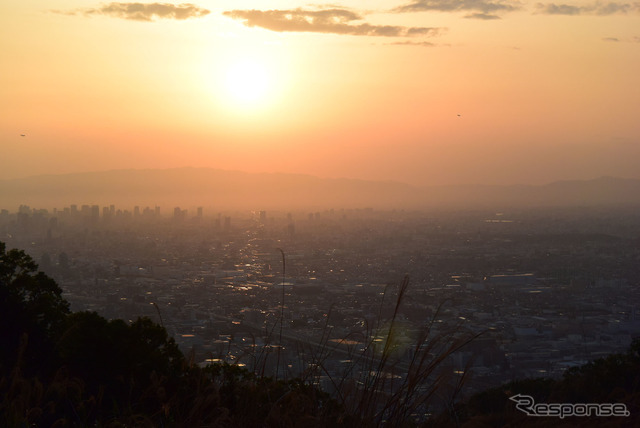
147 11
602 9
479 9
331 21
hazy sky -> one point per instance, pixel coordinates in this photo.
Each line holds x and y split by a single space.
419 91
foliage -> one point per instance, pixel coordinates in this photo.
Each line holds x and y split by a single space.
32 312
608 379
612 379
392 391
64 369
227 395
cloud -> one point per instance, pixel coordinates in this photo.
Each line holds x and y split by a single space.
486 9
559 9
597 8
484 16
333 21
625 40
613 8
148 11
414 43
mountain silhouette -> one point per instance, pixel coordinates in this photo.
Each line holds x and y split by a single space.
223 189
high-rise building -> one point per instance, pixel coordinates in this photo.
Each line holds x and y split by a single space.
95 213
179 214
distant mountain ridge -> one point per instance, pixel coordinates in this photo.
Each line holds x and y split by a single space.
209 187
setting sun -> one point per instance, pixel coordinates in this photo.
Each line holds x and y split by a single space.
413 91
247 81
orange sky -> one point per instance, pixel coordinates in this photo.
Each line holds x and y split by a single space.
545 91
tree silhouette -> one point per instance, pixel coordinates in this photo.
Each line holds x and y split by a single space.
32 312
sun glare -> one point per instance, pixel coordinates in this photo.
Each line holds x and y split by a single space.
247 78
247 81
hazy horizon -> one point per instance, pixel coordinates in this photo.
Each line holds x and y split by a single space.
412 91
549 181
224 190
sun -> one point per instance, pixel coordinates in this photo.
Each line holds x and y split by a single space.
247 81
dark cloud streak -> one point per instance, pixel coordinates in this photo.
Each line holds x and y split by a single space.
148 11
485 8
332 21
602 9
414 43
483 16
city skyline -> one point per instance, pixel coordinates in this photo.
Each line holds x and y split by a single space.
418 92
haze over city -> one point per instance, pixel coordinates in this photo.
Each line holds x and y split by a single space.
360 214
419 92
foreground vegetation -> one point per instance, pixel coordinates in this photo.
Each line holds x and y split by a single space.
64 369
614 379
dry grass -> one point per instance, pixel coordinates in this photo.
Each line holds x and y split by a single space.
386 383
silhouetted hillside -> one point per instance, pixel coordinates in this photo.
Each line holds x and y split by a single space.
609 381
63 369
238 190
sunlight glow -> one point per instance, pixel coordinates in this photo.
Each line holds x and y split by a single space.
247 81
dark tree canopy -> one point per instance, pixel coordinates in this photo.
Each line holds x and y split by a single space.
59 368
45 348
32 310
